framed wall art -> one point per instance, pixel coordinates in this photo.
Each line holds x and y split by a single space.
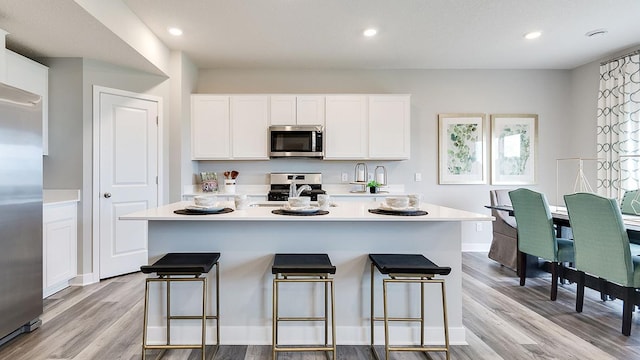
462 149
514 146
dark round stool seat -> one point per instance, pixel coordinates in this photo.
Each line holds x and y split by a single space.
406 264
182 264
302 264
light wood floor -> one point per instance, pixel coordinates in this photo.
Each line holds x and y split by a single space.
504 321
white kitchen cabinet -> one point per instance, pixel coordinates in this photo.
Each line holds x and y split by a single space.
357 127
389 127
310 110
345 127
210 127
31 76
249 125
59 246
283 110
227 127
297 110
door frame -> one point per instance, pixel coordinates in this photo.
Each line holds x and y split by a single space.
95 189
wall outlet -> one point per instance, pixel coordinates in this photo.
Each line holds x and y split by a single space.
345 177
478 226
418 177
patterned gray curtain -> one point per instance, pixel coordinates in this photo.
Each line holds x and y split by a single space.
618 131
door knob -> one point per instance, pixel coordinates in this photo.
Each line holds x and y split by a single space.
107 195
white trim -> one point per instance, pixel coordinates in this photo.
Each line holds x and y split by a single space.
95 210
475 247
84 279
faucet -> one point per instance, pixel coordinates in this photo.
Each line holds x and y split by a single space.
295 192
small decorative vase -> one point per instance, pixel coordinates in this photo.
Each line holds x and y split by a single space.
373 189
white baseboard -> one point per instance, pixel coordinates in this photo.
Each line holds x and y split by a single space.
475 247
345 335
83 280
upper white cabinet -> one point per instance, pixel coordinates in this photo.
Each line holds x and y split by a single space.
310 110
361 127
389 127
31 76
283 110
210 127
229 127
346 127
357 127
249 125
297 110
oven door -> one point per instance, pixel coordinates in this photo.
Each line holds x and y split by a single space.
295 141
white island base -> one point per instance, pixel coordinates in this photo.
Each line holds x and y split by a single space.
247 241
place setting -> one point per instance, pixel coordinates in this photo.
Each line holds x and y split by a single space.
204 205
400 206
301 206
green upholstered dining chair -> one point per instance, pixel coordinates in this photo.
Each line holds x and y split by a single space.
602 248
629 204
536 235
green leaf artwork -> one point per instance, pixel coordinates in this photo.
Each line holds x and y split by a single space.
516 149
461 153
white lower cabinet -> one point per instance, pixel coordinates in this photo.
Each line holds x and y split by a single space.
59 246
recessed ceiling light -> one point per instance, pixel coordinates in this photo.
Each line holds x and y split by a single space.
370 32
532 35
175 31
596 33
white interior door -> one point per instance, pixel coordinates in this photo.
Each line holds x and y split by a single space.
128 179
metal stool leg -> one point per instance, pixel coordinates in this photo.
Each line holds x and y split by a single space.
446 322
145 320
274 325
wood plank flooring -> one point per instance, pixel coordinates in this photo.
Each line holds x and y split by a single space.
503 321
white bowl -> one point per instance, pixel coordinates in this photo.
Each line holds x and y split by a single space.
400 202
204 200
299 201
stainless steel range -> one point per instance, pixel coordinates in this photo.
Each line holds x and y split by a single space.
281 185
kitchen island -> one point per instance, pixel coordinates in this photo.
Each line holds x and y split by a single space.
247 240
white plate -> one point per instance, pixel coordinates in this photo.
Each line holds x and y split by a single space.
214 208
400 210
307 209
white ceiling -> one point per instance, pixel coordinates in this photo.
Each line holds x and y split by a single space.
413 34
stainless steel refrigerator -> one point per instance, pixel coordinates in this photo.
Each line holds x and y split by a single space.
20 212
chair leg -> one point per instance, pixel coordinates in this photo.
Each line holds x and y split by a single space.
554 280
580 292
627 310
522 264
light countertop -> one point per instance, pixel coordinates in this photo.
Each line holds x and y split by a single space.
342 211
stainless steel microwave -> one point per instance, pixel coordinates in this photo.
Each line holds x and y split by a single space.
296 141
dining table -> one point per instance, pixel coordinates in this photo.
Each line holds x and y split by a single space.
608 290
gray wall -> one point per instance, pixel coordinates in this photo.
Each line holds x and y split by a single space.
70 161
547 93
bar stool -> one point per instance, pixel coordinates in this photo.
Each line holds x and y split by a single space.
181 267
411 269
304 268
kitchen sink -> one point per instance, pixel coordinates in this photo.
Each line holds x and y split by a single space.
267 205
281 203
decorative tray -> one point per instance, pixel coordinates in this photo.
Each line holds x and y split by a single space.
406 212
193 211
299 213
